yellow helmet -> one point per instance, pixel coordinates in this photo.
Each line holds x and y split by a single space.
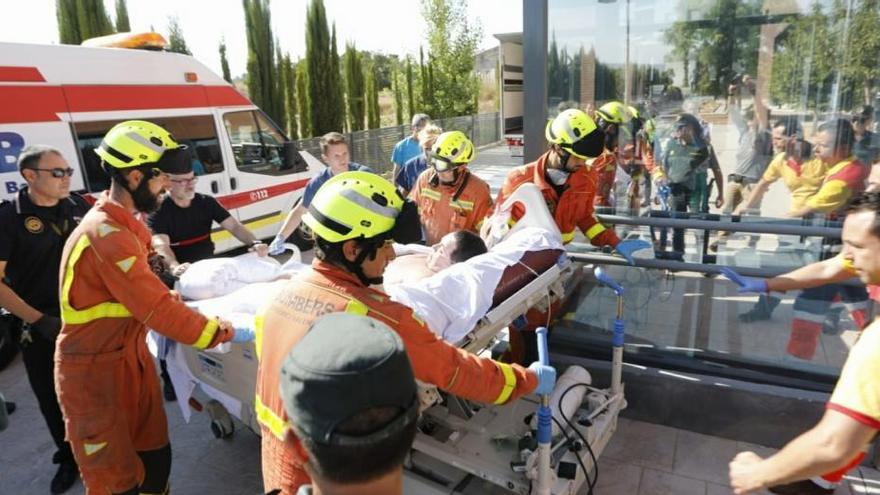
574 131
451 149
354 205
613 112
633 111
135 143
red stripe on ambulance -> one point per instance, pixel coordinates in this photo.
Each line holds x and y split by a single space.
20 74
246 198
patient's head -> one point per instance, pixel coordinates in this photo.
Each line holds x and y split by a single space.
455 247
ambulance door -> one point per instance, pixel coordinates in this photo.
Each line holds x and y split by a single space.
268 174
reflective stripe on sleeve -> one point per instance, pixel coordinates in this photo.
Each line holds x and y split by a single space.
430 194
266 417
567 237
509 383
98 311
595 230
356 307
208 333
258 331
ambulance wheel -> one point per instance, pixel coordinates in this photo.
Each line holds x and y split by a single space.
221 430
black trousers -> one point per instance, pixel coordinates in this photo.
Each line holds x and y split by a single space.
39 362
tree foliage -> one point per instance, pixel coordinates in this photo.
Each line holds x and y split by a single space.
261 67
122 23
302 99
176 42
287 87
323 80
452 42
224 62
398 97
410 97
828 49
336 83
354 87
372 97
80 20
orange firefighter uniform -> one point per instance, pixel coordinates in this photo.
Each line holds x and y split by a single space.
572 208
605 168
445 208
104 375
325 289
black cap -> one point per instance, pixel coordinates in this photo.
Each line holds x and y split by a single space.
344 365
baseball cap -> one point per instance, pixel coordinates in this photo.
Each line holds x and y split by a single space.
346 364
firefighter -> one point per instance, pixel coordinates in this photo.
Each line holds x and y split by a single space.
104 375
354 218
449 196
568 185
613 119
33 228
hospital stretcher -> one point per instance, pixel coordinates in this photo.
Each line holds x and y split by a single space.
460 444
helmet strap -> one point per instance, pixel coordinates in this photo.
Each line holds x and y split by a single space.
368 248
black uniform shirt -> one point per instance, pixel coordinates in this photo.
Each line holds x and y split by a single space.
31 242
189 229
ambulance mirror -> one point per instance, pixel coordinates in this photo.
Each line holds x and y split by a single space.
292 159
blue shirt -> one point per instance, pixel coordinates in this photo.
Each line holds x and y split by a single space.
317 181
405 150
410 172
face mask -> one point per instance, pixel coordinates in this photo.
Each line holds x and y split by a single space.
556 176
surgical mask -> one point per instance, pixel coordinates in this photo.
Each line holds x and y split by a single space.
556 176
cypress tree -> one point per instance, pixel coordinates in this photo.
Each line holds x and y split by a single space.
224 63
372 97
302 99
338 102
411 103
93 19
176 43
288 74
354 84
398 96
319 63
261 83
122 24
68 27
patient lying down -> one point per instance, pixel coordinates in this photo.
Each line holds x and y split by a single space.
415 262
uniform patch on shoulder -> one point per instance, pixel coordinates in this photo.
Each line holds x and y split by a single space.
417 318
34 225
378 297
125 265
106 229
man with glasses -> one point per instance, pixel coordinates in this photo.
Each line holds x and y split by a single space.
448 195
182 235
33 229
182 224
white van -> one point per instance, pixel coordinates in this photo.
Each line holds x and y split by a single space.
69 96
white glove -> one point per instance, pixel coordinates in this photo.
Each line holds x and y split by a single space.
277 246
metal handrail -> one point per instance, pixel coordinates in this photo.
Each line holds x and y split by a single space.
783 227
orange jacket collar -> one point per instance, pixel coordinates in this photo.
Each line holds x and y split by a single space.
335 273
122 216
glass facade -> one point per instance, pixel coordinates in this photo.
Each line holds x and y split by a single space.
759 112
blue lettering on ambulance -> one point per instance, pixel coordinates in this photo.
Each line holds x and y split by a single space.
11 145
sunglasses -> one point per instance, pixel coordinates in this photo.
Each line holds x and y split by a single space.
58 173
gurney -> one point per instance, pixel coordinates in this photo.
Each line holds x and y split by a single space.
461 447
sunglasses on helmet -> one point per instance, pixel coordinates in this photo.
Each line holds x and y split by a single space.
58 173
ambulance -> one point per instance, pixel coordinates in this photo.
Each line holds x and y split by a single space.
69 96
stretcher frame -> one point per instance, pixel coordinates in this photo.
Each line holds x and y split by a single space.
463 448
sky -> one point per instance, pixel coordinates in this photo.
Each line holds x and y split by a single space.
388 26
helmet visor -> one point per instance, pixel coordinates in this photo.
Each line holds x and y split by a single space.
175 161
441 164
590 146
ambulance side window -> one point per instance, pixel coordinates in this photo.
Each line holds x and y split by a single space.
256 143
197 132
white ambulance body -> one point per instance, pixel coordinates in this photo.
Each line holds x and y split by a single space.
69 96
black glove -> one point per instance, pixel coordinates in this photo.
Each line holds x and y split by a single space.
47 326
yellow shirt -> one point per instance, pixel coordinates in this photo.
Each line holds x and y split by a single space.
802 181
857 393
842 181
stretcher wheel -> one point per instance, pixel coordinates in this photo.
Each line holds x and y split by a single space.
221 422
221 430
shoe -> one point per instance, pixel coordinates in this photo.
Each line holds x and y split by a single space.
10 407
713 247
168 392
66 476
804 487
